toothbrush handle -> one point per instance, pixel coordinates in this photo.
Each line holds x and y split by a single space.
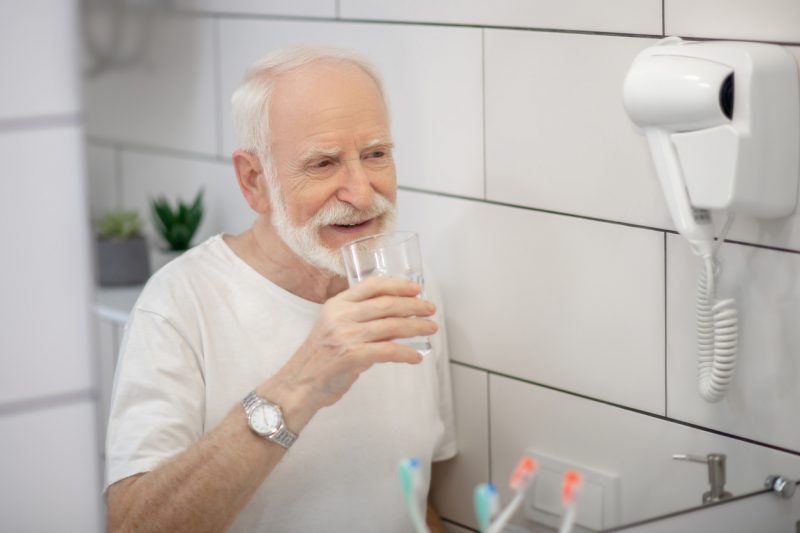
416 516
568 521
503 518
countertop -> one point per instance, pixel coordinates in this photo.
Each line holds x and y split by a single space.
115 303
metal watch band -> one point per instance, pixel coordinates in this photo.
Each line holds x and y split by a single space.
282 436
251 401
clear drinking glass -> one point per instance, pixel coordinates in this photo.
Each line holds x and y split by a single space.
390 255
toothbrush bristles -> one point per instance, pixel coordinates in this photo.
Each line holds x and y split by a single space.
523 473
572 484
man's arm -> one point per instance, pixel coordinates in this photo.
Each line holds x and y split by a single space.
205 488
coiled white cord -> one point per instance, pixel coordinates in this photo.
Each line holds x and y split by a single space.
717 331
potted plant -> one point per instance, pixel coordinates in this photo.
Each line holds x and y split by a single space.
121 248
176 225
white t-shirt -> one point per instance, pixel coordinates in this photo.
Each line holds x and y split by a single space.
206 330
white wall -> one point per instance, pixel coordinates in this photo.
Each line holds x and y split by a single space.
570 296
50 477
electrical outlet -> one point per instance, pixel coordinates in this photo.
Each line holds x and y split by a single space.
598 506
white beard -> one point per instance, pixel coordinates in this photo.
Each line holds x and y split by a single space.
305 240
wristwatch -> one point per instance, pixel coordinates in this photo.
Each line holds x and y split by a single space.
266 420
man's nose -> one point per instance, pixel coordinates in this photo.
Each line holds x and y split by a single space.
356 187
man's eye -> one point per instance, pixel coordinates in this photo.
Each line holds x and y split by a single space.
324 163
377 154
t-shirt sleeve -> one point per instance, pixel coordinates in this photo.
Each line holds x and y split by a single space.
158 400
447 447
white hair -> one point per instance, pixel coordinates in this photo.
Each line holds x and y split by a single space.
250 103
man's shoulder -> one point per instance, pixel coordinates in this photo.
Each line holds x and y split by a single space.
178 282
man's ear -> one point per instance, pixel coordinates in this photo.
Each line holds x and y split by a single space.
250 175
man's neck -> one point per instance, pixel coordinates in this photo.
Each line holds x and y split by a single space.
262 249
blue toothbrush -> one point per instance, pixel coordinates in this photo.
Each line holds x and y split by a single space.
411 483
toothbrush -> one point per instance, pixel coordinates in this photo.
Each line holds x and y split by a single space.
569 498
411 484
521 479
487 503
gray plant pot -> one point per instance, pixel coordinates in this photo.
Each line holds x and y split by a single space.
122 261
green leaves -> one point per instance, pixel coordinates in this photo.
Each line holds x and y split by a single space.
120 225
178 225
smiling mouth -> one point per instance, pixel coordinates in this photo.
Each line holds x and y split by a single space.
353 226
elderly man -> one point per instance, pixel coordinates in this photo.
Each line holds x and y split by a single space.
234 349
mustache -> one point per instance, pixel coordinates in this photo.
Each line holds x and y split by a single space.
344 213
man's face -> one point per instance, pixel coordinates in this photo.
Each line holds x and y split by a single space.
332 153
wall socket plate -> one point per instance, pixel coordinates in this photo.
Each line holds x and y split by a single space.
599 502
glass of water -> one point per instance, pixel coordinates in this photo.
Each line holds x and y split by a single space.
390 255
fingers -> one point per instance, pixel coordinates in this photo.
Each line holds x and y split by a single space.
390 352
387 329
390 306
365 355
372 287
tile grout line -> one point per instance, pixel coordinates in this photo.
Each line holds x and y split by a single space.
42 403
398 22
483 106
297 18
41 122
489 424
581 217
459 524
665 326
217 68
631 409
119 196
156 150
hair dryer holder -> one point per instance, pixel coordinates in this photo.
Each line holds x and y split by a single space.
728 115
722 120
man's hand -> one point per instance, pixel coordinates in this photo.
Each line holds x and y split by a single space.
354 332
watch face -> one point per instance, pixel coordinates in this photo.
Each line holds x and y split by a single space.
265 419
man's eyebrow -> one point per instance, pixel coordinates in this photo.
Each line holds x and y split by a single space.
379 141
319 151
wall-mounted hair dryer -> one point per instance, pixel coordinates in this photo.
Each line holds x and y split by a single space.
722 120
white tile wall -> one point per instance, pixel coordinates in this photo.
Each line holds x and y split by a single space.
558 137
771 20
636 447
309 8
45 81
455 480
103 183
762 402
50 470
146 176
625 16
432 76
167 97
48 353
558 300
